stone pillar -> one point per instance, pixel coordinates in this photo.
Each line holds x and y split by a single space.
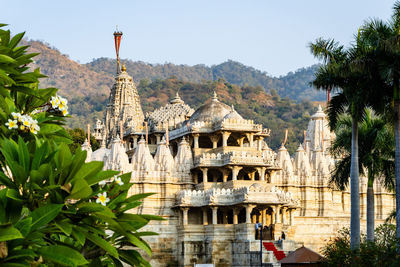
277 213
196 140
291 213
214 140
284 209
250 136
214 215
249 208
235 215
252 176
261 173
264 216
205 218
185 216
240 140
196 177
235 172
205 177
225 136
158 138
135 138
273 215
225 174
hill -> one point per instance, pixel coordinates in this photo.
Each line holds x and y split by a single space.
294 85
87 87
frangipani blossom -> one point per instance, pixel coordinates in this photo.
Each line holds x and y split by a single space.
102 183
12 124
102 198
118 181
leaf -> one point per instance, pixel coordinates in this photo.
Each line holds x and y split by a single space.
65 226
44 215
8 232
62 255
101 176
138 196
87 170
6 59
90 207
13 194
21 253
79 236
80 189
23 154
139 243
103 244
24 226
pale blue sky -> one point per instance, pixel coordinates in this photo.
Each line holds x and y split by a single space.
269 35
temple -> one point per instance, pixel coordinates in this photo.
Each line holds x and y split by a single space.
215 177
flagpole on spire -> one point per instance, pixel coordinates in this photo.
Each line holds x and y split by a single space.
117 41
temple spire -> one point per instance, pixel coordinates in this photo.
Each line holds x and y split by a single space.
117 41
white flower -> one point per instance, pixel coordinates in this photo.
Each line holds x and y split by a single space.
102 198
118 181
65 112
54 102
15 115
12 124
63 101
102 183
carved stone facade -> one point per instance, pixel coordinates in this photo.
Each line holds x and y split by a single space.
214 177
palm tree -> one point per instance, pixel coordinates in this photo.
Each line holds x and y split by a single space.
336 75
383 59
376 150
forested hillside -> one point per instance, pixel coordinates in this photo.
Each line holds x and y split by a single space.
295 85
251 102
278 103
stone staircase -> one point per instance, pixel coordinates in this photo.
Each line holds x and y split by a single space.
277 253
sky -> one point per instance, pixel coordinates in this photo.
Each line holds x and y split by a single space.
271 36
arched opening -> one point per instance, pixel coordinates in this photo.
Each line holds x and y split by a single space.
205 142
246 142
195 216
242 216
219 143
256 176
200 176
173 147
233 140
243 175
214 176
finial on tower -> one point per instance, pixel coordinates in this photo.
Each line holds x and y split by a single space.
215 96
123 67
117 40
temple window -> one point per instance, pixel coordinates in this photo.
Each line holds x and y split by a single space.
205 142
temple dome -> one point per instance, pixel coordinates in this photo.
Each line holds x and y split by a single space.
233 114
211 112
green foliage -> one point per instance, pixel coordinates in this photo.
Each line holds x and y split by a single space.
376 150
78 138
381 252
54 208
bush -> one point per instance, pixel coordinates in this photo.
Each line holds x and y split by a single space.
381 252
55 209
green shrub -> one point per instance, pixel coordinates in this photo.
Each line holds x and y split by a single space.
55 209
381 252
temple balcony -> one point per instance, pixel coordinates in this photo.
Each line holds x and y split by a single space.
235 156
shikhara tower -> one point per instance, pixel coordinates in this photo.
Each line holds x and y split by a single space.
123 108
214 177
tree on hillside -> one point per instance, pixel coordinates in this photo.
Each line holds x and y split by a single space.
55 209
337 75
376 150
